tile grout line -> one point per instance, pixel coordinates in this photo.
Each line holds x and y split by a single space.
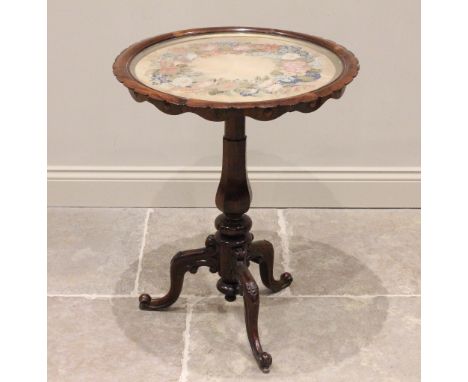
346 296
97 296
283 234
91 296
186 337
284 240
149 211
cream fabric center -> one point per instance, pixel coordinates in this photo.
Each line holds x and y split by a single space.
233 66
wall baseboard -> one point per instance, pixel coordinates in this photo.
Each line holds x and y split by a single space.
335 187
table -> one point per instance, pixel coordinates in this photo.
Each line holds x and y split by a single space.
228 74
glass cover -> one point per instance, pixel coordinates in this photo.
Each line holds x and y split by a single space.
236 67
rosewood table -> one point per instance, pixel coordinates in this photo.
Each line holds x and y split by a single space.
228 74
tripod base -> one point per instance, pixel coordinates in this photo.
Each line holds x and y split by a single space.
229 253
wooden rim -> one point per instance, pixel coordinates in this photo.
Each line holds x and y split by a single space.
334 89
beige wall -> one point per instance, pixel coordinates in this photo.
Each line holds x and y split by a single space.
94 122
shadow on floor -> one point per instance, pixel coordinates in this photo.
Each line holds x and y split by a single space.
328 329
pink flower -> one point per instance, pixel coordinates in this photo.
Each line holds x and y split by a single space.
178 49
269 48
294 67
260 47
202 85
226 85
168 67
168 70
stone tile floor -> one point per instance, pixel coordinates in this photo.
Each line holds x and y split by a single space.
351 314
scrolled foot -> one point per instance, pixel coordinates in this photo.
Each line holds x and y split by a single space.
286 278
185 261
251 306
145 300
264 362
148 303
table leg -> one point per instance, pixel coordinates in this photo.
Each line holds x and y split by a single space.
249 290
262 253
182 262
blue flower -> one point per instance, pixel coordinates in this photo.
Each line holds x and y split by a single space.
287 80
247 92
283 49
314 75
289 49
157 79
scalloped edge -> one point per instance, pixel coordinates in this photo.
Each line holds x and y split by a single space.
220 111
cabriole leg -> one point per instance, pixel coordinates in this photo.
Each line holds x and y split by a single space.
262 252
249 290
182 262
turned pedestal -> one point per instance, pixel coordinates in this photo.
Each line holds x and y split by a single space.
231 249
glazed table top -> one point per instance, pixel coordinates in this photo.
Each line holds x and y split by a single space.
236 68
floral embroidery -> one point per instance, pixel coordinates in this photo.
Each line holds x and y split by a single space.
293 66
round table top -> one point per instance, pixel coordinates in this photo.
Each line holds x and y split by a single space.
236 67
